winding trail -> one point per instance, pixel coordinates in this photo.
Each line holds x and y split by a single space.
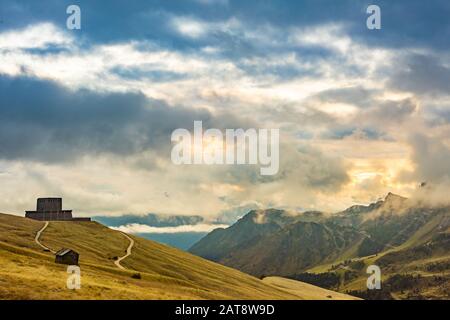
38 235
130 247
117 262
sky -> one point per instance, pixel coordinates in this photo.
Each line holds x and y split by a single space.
87 114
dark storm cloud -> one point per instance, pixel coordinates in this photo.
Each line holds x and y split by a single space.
422 74
373 122
43 121
357 96
389 112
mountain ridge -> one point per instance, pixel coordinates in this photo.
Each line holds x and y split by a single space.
389 229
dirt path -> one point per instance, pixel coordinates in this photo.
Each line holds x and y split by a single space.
117 262
38 235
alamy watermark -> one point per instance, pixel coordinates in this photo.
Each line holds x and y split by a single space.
374 280
74 278
233 147
373 22
73 22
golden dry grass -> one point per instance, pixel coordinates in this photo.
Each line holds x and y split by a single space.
27 272
305 290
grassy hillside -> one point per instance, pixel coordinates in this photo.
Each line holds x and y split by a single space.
28 272
309 291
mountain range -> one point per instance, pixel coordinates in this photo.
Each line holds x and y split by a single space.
405 238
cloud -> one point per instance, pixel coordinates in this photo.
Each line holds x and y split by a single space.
310 168
356 95
260 217
89 114
433 194
96 144
141 228
422 74
330 36
51 123
142 19
42 36
383 118
430 156
190 27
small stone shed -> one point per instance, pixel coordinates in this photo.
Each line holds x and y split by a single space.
67 256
